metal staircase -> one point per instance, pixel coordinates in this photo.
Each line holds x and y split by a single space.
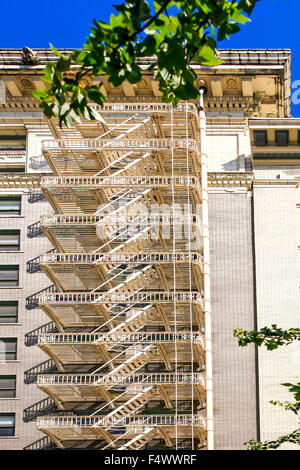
139 441
144 314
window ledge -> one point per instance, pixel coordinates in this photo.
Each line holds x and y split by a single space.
3 216
11 287
13 361
9 437
10 399
11 324
11 251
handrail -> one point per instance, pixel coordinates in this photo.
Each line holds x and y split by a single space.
34 230
121 297
31 374
145 107
32 301
36 197
138 378
119 144
40 408
143 337
138 420
33 265
31 338
128 258
41 444
126 181
95 219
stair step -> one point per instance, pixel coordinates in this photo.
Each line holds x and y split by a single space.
139 441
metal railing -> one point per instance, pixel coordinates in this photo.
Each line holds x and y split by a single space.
33 265
145 108
36 197
46 367
38 162
40 408
141 337
32 301
44 443
127 258
127 181
137 378
134 421
13 154
119 144
34 230
119 297
94 219
31 338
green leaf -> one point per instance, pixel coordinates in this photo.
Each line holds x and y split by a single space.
186 92
183 32
239 17
63 64
206 56
56 52
247 5
96 96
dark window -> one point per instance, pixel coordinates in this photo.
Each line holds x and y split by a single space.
9 275
10 205
9 311
7 386
8 349
18 169
260 138
12 142
7 424
282 138
9 240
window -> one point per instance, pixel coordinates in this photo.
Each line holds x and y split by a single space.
13 169
282 138
7 386
12 141
9 240
7 424
9 312
260 138
8 349
9 275
10 205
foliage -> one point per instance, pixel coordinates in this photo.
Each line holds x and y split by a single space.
293 438
168 37
273 338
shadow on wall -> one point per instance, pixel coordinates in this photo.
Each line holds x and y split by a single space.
241 163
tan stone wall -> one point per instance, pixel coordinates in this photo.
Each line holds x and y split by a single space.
277 274
234 374
27 357
229 150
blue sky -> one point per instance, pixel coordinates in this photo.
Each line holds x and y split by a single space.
65 23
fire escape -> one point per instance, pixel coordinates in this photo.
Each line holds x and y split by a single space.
128 267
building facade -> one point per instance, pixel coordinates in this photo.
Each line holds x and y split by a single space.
132 248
